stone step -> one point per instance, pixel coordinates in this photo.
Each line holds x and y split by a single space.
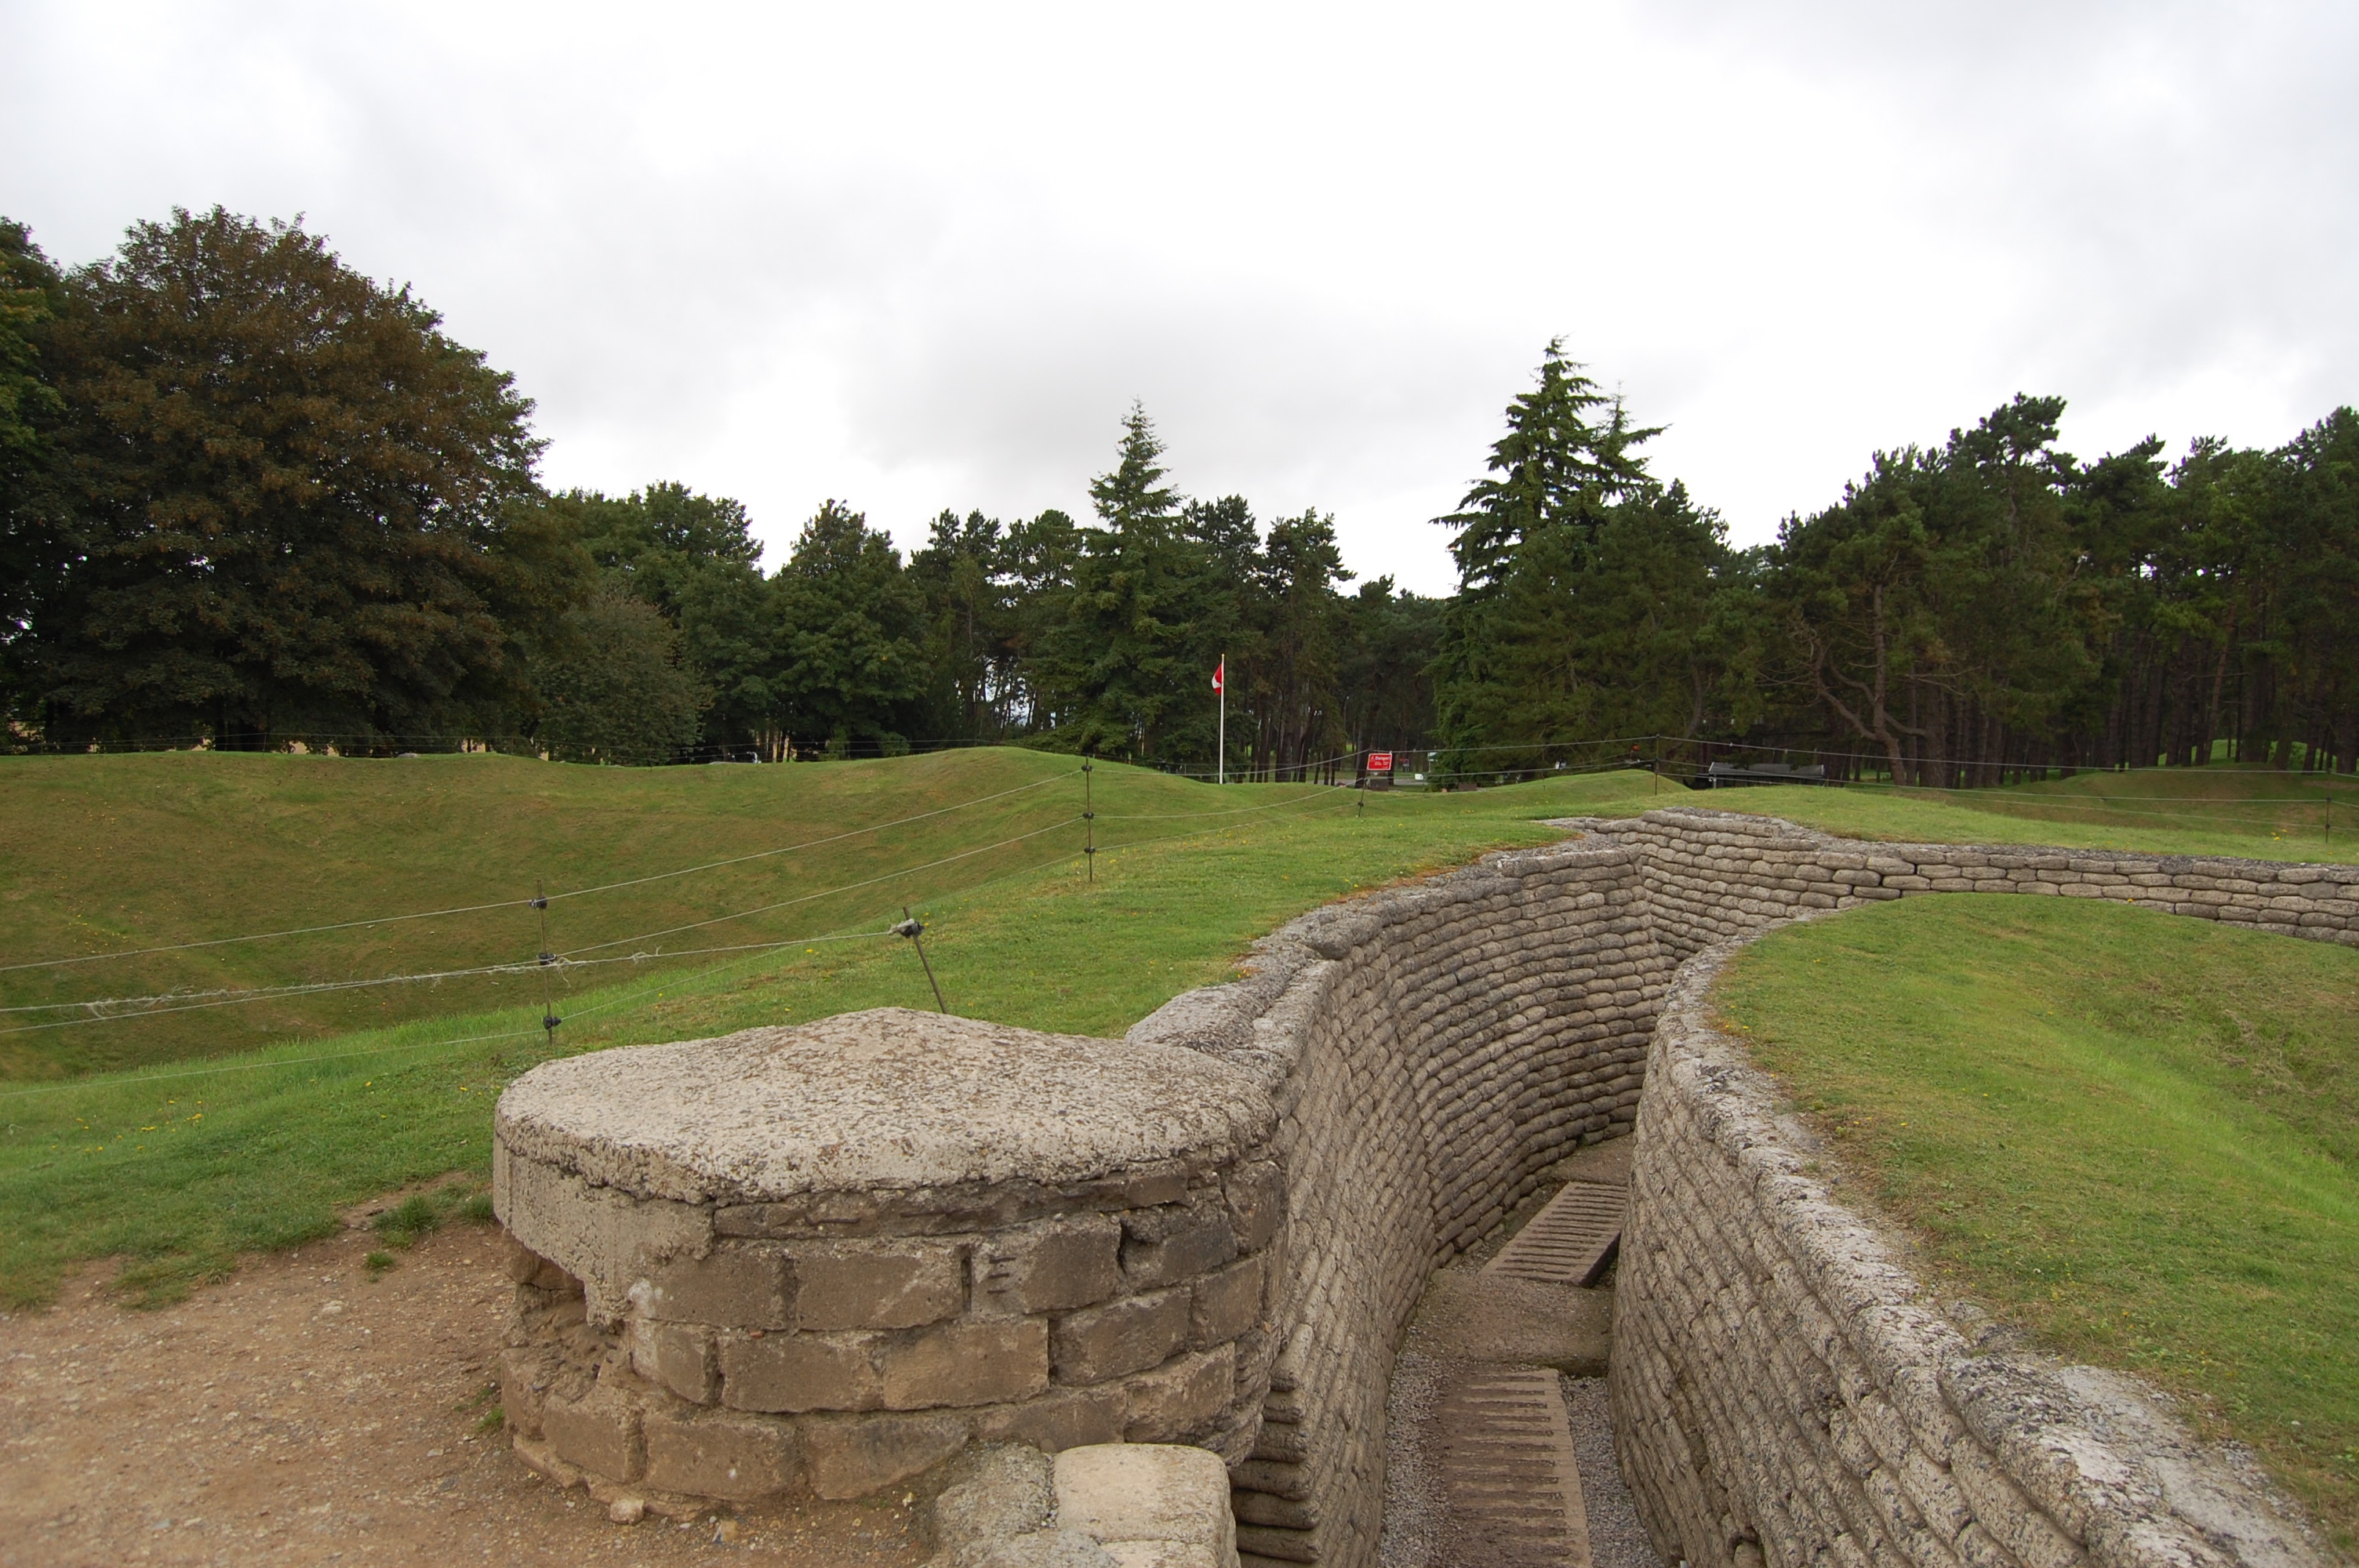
1570 1241
1502 1443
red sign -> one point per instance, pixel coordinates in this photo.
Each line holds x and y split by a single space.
1380 761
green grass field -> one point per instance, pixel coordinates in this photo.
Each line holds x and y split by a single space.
2214 1083
180 1164
2133 1135
99 854
2251 812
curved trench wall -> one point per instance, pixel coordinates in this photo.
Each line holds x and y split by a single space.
1431 1050
1786 1392
1409 1063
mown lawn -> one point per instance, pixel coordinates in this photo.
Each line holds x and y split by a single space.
2252 813
181 1166
2134 1135
208 1134
102 854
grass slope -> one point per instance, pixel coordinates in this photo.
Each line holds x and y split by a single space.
2133 1135
101 854
179 1168
2249 812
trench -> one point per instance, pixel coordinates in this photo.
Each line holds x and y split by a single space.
1501 1440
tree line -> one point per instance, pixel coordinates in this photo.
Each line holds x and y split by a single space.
251 497
1983 609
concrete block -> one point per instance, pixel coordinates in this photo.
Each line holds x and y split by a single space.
1054 1266
1165 1246
739 1457
527 1267
1147 1493
1060 1419
1037 1549
1003 1490
744 1285
1122 1336
857 1456
605 1238
900 1284
676 1355
1164 1554
599 1431
1180 1401
800 1372
524 1374
1256 1197
968 1363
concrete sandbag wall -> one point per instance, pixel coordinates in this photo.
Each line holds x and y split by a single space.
1389 1079
1431 1050
1786 1392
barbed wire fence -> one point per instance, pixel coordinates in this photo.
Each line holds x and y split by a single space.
557 964
1662 756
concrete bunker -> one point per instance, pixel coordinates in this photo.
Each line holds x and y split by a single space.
836 1258
821 1261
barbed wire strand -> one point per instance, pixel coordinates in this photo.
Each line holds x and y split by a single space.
806 898
708 973
519 902
152 1006
569 958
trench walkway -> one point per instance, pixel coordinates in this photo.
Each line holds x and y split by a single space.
1501 1449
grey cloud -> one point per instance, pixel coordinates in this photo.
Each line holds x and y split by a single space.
926 258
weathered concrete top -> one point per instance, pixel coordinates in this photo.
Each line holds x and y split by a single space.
884 1100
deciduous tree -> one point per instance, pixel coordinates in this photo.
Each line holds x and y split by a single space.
288 489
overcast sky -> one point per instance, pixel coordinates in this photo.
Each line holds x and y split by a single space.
916 257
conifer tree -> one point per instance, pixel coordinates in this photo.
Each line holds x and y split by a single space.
1120 666
1555 469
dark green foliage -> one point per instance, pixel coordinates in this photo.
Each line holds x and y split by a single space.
1594 601
972 638
249 495
853 657
285 490
613 688
663 540
1124 662
1964 612
35 533
1994 604
1555 473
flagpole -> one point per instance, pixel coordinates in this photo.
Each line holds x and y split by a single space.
1221 767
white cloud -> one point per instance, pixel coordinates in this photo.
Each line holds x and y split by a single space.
920 256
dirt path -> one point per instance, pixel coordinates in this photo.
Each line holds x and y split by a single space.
301 1413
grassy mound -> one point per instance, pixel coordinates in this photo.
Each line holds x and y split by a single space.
104 854
2134 1135
178 1140
181 1166
2250 812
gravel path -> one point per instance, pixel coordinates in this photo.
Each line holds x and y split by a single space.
1413 1503
1616 1539
1466 1322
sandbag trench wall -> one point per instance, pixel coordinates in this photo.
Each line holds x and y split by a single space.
1429 1052
1784 1390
